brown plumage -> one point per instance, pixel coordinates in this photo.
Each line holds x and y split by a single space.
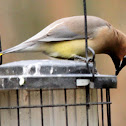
65 38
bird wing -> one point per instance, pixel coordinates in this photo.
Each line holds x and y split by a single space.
70 28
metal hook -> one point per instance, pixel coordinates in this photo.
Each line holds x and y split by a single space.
92 59
93 53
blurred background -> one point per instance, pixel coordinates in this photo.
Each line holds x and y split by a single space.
20 20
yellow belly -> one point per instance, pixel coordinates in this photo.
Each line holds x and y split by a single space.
65 49
68 49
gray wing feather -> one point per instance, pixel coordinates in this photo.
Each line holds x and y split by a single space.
69 29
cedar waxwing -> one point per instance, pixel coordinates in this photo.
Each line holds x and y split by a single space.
65 39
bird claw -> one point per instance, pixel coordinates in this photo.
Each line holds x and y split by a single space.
89 59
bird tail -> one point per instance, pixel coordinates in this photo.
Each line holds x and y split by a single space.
0 51
18 48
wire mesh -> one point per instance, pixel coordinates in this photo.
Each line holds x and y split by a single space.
88 103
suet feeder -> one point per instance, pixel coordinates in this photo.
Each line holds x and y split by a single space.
54 92
62 93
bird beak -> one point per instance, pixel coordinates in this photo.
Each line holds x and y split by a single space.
121 66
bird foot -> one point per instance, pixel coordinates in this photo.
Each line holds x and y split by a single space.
83 59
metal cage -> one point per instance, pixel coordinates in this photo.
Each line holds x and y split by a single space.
67 81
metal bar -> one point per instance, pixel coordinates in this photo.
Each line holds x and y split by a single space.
59 76
108 106
97 109
29 101
41 101
87 102
17 107
59 105
102 110
53 116
85 27
66 107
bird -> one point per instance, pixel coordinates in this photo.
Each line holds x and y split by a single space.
65 39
